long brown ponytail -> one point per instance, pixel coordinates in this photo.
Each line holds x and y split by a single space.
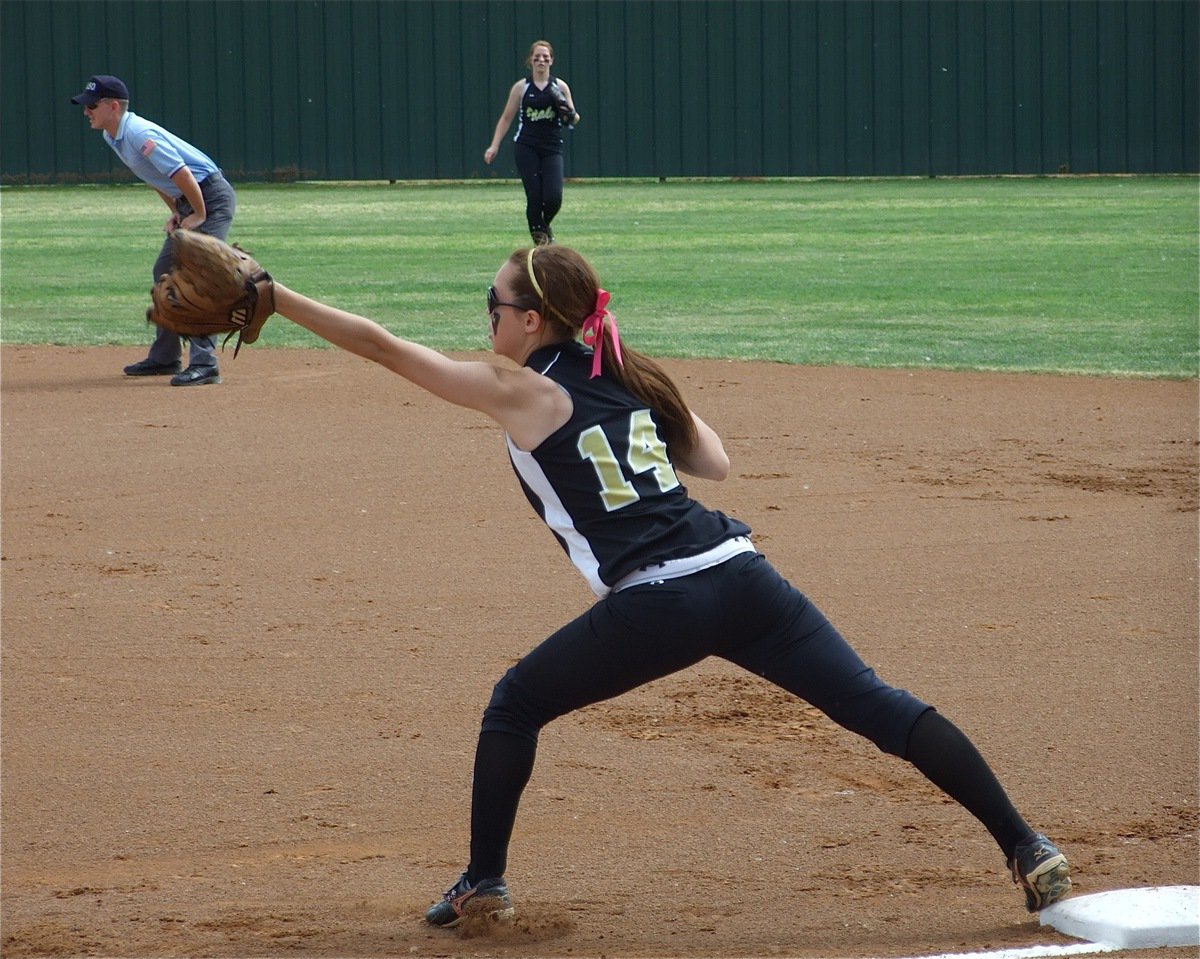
566 286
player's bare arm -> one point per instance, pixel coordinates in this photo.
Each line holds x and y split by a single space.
707 459
526 405
506 118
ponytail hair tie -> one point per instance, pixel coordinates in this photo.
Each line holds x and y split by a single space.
593 332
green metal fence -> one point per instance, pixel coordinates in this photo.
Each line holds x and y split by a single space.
411 89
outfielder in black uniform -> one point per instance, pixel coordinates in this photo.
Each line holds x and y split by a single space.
598 435
544 106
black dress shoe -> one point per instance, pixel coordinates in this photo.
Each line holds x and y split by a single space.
196 376
148 367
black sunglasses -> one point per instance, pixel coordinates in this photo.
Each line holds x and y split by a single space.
92 106
494 301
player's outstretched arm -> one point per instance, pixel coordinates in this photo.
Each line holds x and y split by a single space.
528 406
453 380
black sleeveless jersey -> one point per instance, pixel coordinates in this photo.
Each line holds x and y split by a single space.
539 125
604 482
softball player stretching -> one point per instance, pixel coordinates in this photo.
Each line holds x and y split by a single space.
598 435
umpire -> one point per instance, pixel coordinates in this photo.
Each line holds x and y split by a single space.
194 190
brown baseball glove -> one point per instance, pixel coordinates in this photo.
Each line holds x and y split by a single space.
212 288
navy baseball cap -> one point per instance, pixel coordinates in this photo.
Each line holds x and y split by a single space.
101 88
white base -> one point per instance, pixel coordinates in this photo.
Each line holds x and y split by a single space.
1131 918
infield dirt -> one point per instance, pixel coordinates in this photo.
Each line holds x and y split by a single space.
248 632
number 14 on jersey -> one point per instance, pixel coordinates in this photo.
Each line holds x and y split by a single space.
647 453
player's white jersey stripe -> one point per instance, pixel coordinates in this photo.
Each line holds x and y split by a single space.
557 517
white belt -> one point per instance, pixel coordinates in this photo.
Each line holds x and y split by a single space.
674 568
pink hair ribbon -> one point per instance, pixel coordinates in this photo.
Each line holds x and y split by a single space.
593 332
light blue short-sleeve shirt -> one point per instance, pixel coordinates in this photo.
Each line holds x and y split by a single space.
155 154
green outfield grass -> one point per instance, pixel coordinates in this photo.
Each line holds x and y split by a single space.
1093 275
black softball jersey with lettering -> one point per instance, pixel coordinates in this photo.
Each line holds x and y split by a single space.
539 126
604 483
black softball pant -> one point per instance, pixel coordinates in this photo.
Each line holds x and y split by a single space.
742 611
542 175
